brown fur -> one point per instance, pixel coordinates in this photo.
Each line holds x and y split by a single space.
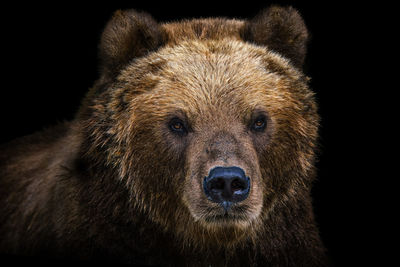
117 184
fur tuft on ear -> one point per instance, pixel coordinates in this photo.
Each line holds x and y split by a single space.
282 30
128 35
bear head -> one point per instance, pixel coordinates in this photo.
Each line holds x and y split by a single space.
208 123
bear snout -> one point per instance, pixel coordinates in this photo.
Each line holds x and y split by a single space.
226 185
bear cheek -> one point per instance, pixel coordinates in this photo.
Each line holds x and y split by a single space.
192 190
194 198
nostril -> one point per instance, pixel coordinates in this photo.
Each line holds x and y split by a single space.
238 184
217 184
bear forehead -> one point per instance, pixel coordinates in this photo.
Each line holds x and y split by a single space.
210 73
214 72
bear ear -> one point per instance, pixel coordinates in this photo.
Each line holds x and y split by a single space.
282 30
128 35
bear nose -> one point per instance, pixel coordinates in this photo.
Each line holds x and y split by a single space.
226 185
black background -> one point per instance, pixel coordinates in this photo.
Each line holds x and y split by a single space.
49 60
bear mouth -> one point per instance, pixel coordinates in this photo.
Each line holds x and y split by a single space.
225 218
226 213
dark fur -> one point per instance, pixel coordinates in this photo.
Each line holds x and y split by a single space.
128 35
104 187
280 29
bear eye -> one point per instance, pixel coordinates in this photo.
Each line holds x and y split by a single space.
177 126
259 124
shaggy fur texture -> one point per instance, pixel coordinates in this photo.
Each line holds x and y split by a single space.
118 184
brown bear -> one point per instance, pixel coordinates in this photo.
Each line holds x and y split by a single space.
195 147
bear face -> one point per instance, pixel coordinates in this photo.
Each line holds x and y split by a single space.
205 99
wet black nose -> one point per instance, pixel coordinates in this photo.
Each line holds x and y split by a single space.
226 185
